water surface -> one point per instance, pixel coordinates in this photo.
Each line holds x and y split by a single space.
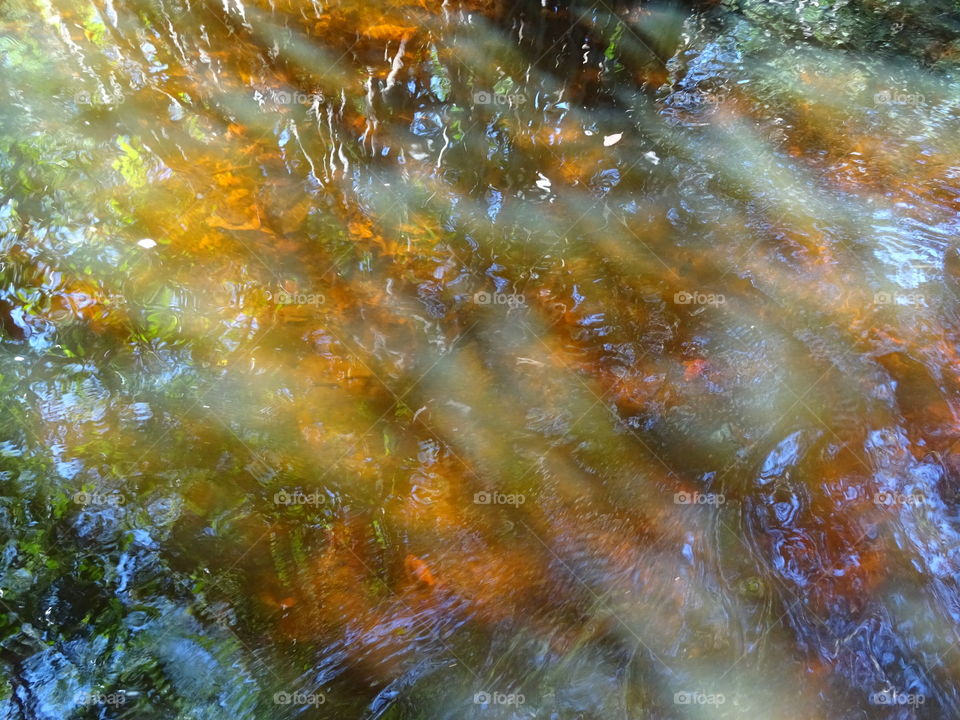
413 360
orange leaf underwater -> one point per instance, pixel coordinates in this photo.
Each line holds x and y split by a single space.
417 569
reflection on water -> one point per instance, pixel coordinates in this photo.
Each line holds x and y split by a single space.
479 360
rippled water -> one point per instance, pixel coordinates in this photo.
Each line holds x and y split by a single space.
479 360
